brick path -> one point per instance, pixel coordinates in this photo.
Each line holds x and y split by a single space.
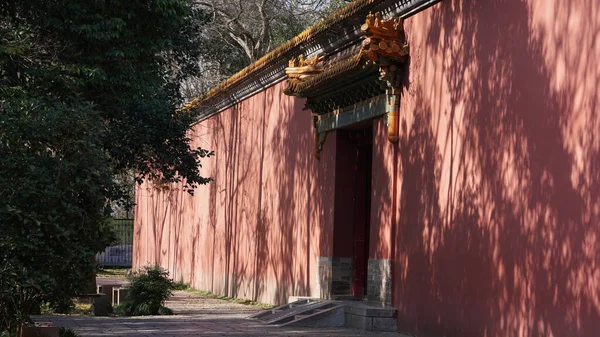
195 316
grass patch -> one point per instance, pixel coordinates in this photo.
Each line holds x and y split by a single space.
82 307
114 273
229 299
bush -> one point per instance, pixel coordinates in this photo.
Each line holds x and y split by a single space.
149 289
181 286
66 332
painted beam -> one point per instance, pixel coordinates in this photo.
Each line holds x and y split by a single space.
373 107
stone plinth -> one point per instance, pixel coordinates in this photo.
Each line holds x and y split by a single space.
101 305
379 282
335 276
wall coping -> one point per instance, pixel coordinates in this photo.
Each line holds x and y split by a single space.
336 32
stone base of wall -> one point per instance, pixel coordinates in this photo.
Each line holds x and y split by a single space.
335 279
362 317
324 276
334 276
379 282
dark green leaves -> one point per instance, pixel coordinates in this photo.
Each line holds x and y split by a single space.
89 90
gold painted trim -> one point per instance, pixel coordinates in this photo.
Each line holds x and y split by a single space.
299 85
310 33
384 44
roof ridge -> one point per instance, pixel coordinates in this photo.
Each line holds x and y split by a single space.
309 33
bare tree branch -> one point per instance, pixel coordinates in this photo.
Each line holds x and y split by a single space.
250 29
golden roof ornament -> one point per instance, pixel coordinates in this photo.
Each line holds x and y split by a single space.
384 43
384 37
301 68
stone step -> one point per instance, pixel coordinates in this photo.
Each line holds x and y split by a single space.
288 312
369 318
264 314
331 316
285 316
325 313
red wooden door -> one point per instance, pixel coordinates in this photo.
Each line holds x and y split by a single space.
362 207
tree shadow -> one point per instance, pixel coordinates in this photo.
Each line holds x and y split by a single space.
256 231
498 226
488 206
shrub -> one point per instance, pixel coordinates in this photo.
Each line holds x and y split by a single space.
181 286
165 311
149 289
66 332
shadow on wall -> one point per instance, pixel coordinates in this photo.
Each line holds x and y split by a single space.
294 212
261 235
499 230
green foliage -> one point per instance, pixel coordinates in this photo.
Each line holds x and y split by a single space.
180 286
88 90
165 311
53 181
122 309
148 290
121 230
66 332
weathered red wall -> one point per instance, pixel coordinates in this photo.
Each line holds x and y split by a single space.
496 231
488 206
256 230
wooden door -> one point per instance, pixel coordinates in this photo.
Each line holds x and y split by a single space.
362 214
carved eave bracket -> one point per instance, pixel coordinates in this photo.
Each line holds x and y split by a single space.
299 70
385 44
351 76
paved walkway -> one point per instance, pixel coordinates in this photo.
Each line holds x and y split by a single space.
196 316
114 281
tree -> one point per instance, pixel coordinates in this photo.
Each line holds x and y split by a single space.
89 90
237 33
252 25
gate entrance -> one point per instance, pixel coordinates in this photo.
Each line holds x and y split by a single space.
354 149
362 211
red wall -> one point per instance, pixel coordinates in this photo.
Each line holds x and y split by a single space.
495 229
488 206
256 230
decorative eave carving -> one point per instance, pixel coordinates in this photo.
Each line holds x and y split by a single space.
349 78
300 69
328 36
301 83
384 45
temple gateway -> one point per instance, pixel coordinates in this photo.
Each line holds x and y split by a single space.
438 160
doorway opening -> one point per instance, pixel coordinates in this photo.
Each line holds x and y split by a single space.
353 205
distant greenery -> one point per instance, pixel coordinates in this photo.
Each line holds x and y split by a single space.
115 273
147 292
89 90
123 229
